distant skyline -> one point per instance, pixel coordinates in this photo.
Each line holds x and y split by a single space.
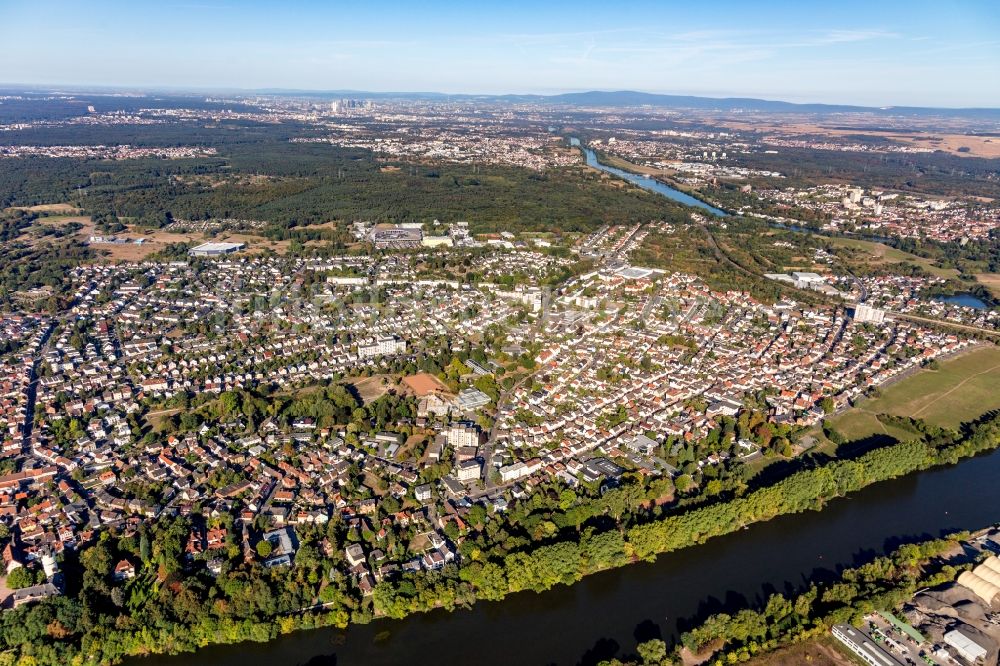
868 53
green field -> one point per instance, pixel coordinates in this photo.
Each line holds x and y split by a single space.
963 389
877 254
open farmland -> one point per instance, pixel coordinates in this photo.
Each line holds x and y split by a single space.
961 390
991 281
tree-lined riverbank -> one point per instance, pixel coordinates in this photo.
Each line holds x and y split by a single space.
687 567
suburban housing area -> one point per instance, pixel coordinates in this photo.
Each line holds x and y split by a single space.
401 409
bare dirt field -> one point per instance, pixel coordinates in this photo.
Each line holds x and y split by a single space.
49 208
373 388
818 652
991 281
423 384
978 146
153 240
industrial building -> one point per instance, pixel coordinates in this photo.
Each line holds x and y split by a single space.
860 644
396 238
215 249
967 648
984 581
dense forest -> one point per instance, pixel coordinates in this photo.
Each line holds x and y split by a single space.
23 106
309 183
259 174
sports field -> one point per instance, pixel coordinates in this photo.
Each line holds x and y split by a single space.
962 389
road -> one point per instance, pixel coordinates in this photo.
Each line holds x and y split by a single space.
486 450
944 323
32 391
722 256
902 648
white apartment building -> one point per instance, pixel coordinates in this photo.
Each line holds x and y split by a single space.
382 346
463 434
469 470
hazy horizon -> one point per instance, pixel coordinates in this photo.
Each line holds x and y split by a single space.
112 90
883 54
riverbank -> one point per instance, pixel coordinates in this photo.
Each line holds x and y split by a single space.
557 561
782 627
981 291
689 579
664 177
696 199
810 489
649 183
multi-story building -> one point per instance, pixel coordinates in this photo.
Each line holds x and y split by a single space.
463 434
382 346
469 470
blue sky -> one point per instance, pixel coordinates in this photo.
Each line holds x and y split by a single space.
880 53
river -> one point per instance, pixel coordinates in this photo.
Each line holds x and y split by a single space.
610 612
650 184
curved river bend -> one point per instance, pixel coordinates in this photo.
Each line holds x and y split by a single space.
650 184
614 610
608 613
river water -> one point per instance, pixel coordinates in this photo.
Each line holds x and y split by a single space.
607 614
650 184
968 300
610 612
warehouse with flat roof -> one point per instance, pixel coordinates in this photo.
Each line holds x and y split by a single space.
861 644
215 249
396 238
967 648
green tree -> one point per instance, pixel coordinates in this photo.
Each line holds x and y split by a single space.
145 551
20 578
653 651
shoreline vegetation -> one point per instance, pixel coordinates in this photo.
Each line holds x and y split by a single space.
923 254
73 629
168 608
758 631
308 192
661 176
